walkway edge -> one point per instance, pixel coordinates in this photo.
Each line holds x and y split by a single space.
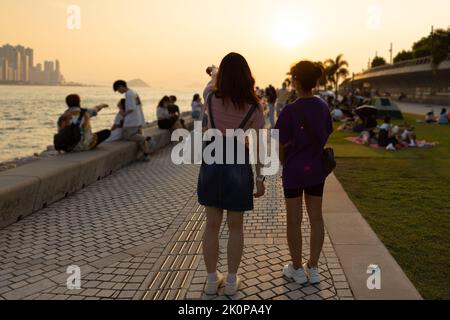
357 247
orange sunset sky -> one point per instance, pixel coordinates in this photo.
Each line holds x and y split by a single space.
168 43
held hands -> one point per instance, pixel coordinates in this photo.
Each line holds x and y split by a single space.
260 189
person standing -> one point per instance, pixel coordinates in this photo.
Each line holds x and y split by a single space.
134 119
271 95
232 104
197 107
282 98
305 127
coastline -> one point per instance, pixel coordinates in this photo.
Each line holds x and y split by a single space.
18 162
12 84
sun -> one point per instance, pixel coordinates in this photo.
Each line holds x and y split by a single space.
289 32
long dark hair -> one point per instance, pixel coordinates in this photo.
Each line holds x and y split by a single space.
164 99
235 81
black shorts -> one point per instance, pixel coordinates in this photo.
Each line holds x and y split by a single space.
315 191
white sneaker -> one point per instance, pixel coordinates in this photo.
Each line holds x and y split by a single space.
211 288
312 273
390 147
298 275
232 288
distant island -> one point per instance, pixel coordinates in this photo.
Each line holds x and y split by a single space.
138 83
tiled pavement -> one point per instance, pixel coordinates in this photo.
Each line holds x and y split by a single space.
137 235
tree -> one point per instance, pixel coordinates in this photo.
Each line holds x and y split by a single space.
323 81
403 56
436 45
378 62
337 71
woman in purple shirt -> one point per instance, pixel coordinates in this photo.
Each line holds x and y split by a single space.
305 127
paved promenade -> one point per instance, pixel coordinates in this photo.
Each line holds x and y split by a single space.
137 235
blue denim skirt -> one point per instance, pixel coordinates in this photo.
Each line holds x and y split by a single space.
226 186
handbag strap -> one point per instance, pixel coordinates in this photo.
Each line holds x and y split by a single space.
244 121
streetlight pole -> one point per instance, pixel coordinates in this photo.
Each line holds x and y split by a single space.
432 39
391 51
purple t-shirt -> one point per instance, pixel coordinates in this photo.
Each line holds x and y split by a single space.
303 167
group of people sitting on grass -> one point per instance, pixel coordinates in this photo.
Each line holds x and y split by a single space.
391 137
443 119
396 137
75 131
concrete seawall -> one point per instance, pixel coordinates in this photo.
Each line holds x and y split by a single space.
34 186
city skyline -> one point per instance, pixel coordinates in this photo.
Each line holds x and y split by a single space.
17 67
169 43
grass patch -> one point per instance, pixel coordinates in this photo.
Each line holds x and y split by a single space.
405 197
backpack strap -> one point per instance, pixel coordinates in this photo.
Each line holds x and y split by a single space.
247 117
81 117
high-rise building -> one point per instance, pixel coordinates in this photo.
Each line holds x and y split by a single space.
17 65
5 70
49 71
28 63
2 76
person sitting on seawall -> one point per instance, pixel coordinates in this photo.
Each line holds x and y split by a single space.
167 121
386 136
134 119
77 116
117 128
443 118
174 110
197 107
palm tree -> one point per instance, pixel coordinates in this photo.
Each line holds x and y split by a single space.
323 81
337 70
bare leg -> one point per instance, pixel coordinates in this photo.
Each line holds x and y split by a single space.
314 208
211 238
235 241
294 232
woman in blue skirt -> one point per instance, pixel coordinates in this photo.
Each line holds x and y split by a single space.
232 104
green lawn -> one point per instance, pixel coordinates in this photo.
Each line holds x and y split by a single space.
405 197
